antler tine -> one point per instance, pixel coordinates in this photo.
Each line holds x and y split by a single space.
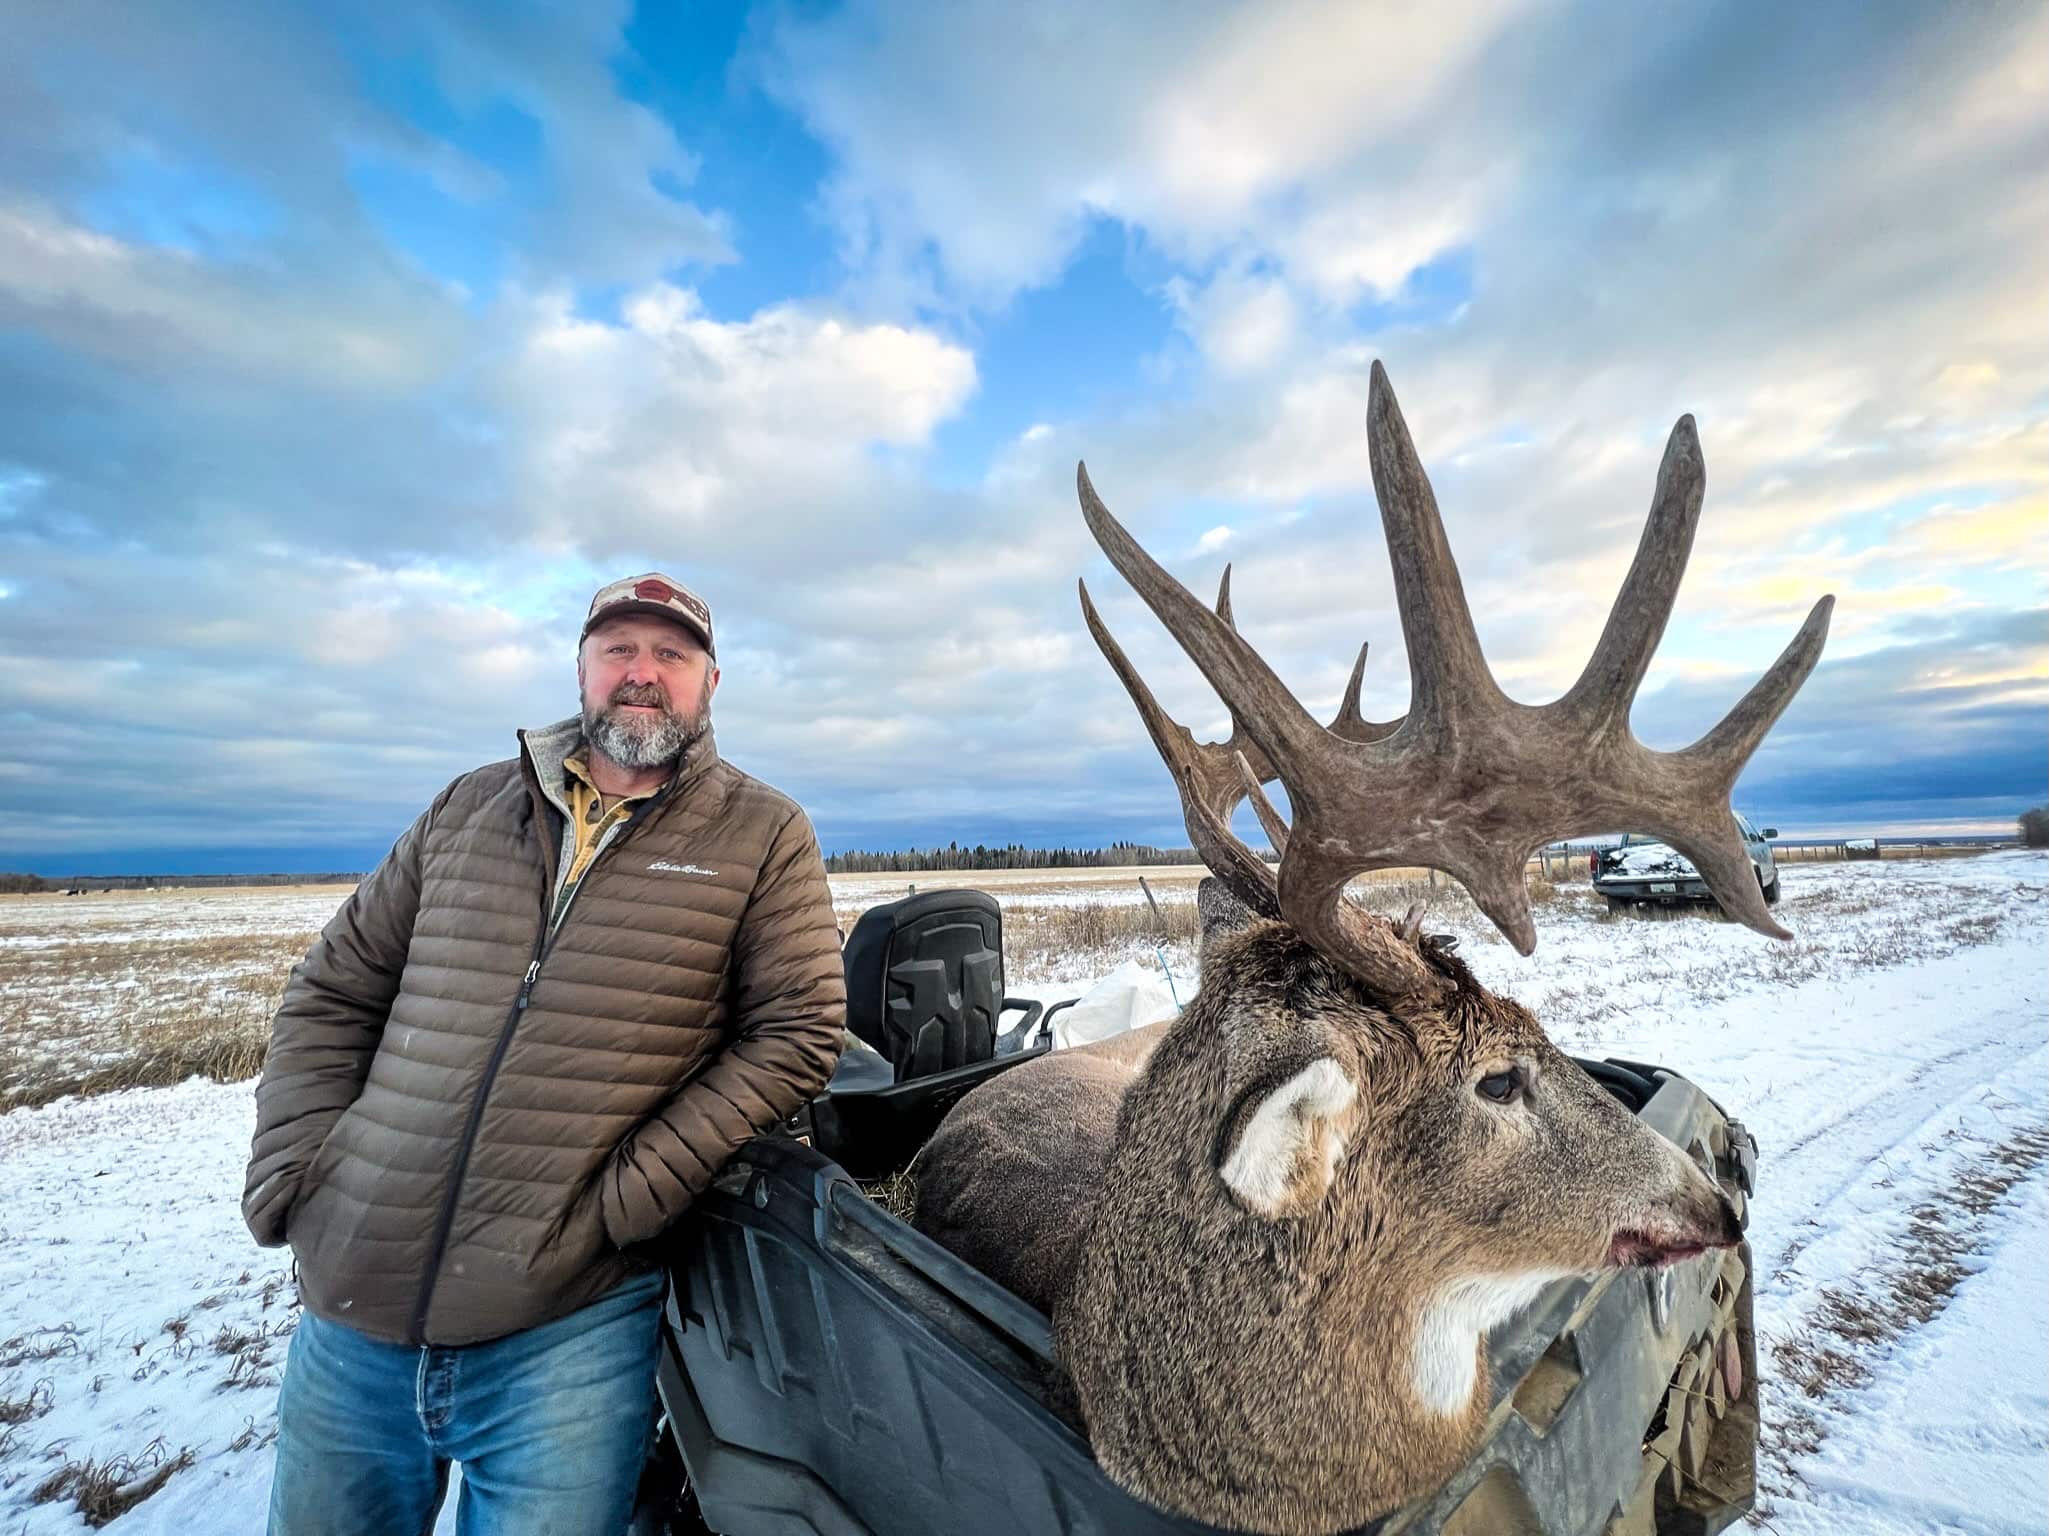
1349 718
1247 685
1709 839
1224 598
1206 804
1351 724
1219 848
1447 670
1607 686
1368 945
1263 808
1712 846
1500 889
1725 749
1412 923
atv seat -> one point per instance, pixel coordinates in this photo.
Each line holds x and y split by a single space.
925 981
925 990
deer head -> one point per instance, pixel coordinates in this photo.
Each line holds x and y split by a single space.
1348 1159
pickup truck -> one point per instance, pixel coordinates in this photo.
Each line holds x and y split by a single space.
1642 870
827 1369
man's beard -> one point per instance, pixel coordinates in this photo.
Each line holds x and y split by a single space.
634 740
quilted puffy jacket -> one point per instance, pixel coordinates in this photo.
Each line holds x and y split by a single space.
465 1116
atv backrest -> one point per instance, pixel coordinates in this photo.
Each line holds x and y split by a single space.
925 980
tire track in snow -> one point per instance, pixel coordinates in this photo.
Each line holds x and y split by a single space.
1825 1358
1907 1126
1858 1108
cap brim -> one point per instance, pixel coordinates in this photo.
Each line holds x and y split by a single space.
620 610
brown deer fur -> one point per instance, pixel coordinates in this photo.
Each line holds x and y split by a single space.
1306 1350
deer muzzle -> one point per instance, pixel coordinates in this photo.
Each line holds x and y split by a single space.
1698 1219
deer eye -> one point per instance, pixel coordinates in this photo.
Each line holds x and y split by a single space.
1502 1087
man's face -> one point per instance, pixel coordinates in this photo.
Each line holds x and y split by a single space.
646 688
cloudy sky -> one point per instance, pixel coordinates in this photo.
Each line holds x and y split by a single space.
344 351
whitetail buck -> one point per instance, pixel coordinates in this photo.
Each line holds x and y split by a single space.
1272 1235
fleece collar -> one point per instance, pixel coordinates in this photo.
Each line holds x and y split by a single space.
548 747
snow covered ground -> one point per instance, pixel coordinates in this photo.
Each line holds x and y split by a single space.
1891 1061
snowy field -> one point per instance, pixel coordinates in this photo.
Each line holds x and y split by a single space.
88 982
1891 1061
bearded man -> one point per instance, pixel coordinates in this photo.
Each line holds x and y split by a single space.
523 1047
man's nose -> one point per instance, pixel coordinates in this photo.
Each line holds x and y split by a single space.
641 669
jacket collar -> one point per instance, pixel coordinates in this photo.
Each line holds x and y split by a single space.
546 748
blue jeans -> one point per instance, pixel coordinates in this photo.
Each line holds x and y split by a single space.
550 1426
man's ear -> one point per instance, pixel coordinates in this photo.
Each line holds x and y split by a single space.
1284 1144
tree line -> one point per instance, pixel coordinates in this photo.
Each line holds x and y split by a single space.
19 882
2033 827
1008 856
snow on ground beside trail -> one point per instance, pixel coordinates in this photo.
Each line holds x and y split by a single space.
1891 1061
1948 1435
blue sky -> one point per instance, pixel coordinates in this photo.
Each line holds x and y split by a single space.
342 355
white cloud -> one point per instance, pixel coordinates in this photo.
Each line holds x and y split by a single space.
1241 322
151 307
1193 123
670 426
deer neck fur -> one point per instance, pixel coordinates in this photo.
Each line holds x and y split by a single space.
1344 1376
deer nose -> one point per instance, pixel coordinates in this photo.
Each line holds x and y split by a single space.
1731 1224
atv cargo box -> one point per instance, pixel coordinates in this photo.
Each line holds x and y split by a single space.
828 1369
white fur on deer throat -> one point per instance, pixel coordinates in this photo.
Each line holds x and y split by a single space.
1454 1319
1267 1161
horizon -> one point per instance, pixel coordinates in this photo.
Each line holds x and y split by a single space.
343 357
107 867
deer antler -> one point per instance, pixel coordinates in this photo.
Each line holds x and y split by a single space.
1211 776
1469 781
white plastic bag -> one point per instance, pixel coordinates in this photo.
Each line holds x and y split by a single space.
1133 995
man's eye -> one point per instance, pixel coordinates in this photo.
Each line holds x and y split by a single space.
1501 1087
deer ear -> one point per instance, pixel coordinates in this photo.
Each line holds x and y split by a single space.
1288 1140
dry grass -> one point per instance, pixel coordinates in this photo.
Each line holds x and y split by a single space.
85 1012
38 1344
897 1194
103 1491
32 1404
1039 940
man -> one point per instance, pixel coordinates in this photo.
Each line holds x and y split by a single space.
519 1052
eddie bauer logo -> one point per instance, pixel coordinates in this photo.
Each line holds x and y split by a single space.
680 869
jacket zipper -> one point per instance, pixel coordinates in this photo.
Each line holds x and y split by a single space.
469 1137
551 925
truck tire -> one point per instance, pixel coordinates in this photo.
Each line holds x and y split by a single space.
1771 892
1619 903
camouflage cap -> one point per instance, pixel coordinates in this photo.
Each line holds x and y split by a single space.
653 594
